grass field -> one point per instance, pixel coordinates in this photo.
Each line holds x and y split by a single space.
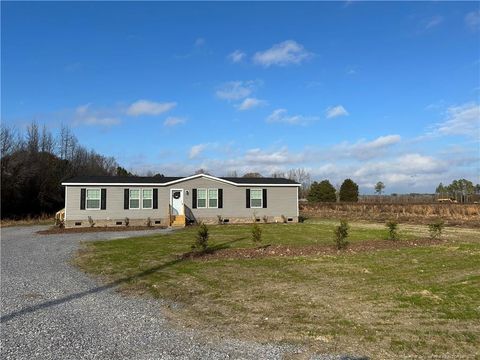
388 303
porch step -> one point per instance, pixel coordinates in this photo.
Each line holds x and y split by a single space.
178 220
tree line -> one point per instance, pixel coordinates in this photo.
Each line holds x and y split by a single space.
34 163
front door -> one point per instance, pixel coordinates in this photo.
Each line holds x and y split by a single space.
176 201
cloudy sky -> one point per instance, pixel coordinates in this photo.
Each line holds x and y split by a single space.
372 91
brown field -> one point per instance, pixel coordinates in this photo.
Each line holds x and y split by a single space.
451 214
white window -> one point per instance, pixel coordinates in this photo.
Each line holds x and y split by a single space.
134 199
256 198
147 198
212 198
201 198
93 199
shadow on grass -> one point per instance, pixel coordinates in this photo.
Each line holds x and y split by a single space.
113 284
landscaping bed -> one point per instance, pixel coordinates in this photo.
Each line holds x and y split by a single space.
310 250
79 230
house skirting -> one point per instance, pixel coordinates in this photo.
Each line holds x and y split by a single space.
166 221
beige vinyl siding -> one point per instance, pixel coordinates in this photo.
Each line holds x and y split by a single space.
281 200
114 210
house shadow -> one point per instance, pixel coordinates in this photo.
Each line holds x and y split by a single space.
110 285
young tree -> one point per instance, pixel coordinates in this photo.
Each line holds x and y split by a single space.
322 191
379 187
349 191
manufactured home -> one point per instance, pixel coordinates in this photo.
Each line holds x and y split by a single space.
177 201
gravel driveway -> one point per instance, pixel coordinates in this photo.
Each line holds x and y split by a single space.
50 310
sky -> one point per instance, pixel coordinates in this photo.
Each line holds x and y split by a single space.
372 91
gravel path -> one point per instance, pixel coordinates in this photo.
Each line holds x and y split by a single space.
50 310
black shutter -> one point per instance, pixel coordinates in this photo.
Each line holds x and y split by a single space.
103 202
194 198
155 198
126 199
83 195
220 198
264 198
247 198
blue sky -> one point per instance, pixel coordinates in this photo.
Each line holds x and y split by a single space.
372 91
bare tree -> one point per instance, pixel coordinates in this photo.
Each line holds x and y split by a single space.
278 174
303 177
253 175
47 142
201 171
7 140
232 173
33 137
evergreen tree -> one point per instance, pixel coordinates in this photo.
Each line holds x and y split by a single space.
349 191
322 191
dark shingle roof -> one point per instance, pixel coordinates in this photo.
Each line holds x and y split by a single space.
122 179
166 179
259 180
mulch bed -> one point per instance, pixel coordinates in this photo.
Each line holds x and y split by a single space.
57 230
309 250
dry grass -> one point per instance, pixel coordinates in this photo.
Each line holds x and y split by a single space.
453 214
416 301
42 220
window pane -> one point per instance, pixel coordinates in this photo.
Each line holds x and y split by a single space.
255 194
256 203
212 203
135 194
201 203
212 193
134 203
147 193
147 203
201 194
93 194
93 204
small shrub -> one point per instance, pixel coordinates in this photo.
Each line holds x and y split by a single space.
220 219
341 234
435 229
127 221
302 218
201 240
149 222
91 222
256 233
392 227
284 219
265 219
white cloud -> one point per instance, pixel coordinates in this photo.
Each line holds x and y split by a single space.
460 120
433 21
363 149
146 107
336 111
265 158
236 90
472 20
173 121
196 150
282 54
281 116
200 42
85 115
236 56
250 103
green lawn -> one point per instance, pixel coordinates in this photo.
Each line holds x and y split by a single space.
412 301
